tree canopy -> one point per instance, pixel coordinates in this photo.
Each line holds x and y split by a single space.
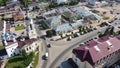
3 2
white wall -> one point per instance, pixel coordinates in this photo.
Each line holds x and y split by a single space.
61 1
12 49
32 47
4 57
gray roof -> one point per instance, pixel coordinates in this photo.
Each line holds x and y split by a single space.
77 24
63 9
85 13
63 28
53 20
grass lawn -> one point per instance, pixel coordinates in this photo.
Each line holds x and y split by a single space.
1 47
20 61
105 18
19 28
14 62
35 60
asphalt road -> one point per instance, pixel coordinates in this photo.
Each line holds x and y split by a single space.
69 49
44 46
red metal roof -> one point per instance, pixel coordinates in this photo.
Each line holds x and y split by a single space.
27 41
92 55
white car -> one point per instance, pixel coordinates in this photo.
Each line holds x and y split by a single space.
46 56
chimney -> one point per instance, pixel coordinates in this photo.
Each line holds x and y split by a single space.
109 43
14 40
97 48
86 48
22 38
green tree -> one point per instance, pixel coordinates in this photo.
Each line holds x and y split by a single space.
29 59
107 31
49 33
3 2
43 25
112 31
100 35
25 2
24 54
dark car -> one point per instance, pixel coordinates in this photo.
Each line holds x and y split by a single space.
48 45
73 64
95 28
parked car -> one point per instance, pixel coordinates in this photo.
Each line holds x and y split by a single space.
94 28
48 45
46 56
73 64
69 38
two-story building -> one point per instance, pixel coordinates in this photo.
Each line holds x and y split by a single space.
98 53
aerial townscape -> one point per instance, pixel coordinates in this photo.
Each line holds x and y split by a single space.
59 33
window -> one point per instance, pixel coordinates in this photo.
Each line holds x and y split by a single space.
14 53
75 59
29 47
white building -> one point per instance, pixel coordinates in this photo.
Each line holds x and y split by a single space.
30 28
13 46
59 1
27 44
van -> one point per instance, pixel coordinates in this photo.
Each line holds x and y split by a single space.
46 56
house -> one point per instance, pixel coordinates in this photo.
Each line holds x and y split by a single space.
77 24
63 9
97 3
85 13
18 16
70 16
11 7
52 13
27 44
13 46
10 44
59 1
53 22
98 53
64 28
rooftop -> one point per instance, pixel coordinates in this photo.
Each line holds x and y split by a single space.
97 49
25 42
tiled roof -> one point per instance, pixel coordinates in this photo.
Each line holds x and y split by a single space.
18 14
27 41
96 50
